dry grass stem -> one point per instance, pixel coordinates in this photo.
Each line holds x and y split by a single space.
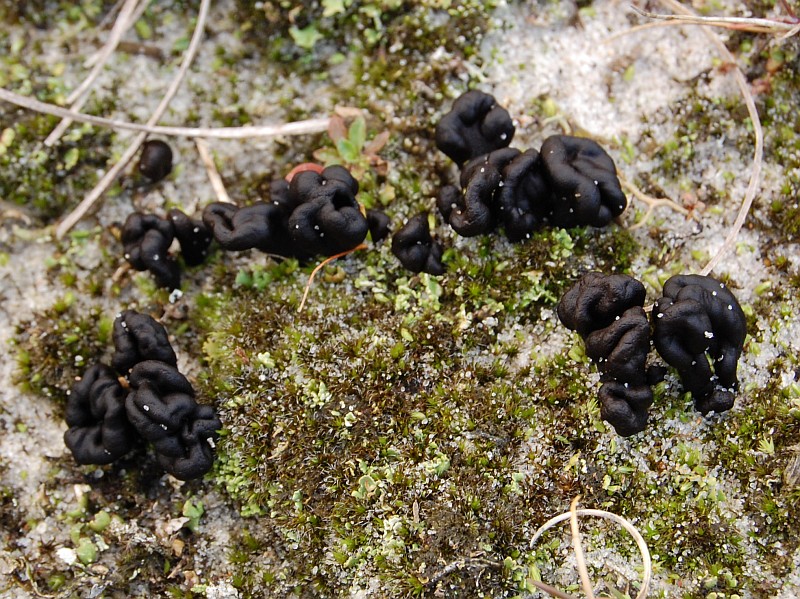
320 266
80 94
211 169
647 564
758 133
246 132
552 591
583 571
652 204
108 179
751 24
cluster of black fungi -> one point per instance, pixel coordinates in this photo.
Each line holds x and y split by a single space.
570 182
314 214
142 396
698 328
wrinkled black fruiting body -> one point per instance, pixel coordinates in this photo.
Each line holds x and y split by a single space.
261 226
481 180
193 235
378 223
99 432
524 197
583 182
162 409
607 313
474 126
138 337
699 328
327 219
416 249
155 162
146 239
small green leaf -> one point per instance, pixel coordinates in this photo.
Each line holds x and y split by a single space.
143 29
306 38
332 7
71 158
86 551
358 133
347 150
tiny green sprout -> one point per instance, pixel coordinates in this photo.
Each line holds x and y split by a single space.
193 511
100 521
86 552
306 38
767 445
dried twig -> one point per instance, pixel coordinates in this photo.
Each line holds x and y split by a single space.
583 571
211 169
80 94
758 152
751 24
104 183
245 132
462 564
647 565
652 203
319 267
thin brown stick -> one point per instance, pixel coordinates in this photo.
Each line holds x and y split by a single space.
647 563
245 132
112 174
211 170
322 264
80 94
552 591
758 152
652 203
583 571
751 24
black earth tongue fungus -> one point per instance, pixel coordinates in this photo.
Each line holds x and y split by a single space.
155 161
99 431
607 312
378 223
524 198
261 226
198 437
138 337
699 328
583 182
146 239
193 236
162 409
416 249
475 125
279 196
328 219
476 211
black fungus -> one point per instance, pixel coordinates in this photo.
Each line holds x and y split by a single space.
475 125
261 226
583 182
328 219
138 337
378 223
155 161
523 199
162 409
146 239
607 312
193 236
99 432
416 249
481 179
699 328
